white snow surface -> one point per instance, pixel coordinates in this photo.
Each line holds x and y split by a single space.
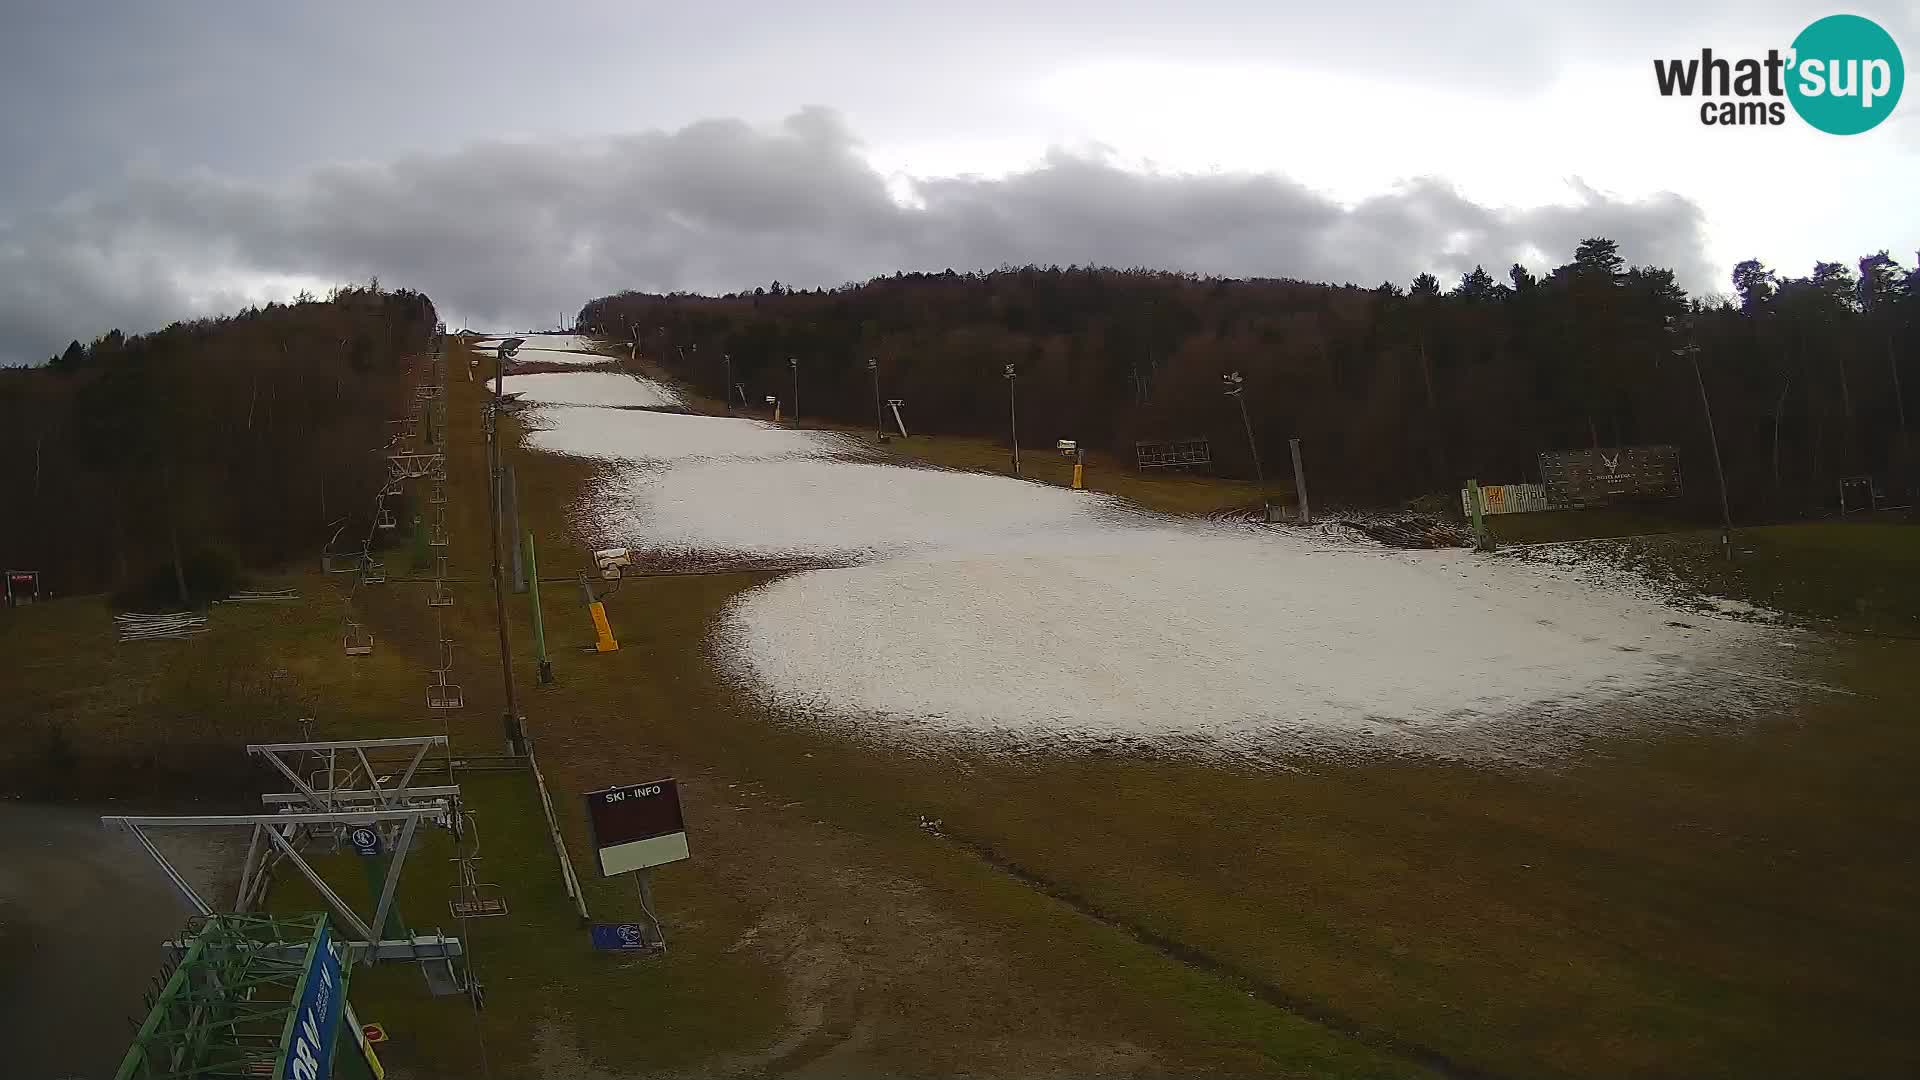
984 609
554 356
543 342
609 388
1235 640
840 509
622 435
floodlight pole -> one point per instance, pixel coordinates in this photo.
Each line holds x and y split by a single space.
516 739
1692 352
879 418
1300 482
1234 385
794 363
1013 419
726 389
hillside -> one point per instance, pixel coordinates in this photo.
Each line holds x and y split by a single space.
170 460
1395 392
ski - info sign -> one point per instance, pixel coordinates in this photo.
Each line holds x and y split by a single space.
637 826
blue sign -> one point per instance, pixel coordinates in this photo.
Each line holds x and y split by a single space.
365 839
310 1048
619 937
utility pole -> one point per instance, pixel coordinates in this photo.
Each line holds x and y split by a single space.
879 419
1300 483
1234 384
794 363
1692 352
516 739
1013 420
726 392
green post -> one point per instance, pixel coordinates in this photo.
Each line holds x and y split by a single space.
539 622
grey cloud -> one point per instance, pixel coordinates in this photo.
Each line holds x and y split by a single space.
513 234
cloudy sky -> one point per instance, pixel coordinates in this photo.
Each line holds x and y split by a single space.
516 159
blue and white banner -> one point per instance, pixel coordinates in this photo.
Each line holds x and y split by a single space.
309 1053
618 937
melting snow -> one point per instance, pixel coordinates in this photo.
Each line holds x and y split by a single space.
987 608
545 342
1163 634
592 388
620 435
835 509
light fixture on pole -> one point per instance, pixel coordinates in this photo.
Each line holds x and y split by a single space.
1013 419
503 353
1234 384
879 420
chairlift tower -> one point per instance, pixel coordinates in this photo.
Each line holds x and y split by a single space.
227 1004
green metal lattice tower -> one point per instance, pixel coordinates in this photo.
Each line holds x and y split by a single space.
227 1007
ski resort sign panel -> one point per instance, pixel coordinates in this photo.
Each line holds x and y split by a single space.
637 826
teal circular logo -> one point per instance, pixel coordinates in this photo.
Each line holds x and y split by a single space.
1846 75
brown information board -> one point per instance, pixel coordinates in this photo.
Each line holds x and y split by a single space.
637 826
1575 478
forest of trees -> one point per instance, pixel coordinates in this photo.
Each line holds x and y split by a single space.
1395 392
216 443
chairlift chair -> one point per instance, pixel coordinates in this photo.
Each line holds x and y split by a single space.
335 562
383 519
358 640
439 496
442 694
472 898
444 977
372 571
441 596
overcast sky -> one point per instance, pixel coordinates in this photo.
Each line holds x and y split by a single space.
513 160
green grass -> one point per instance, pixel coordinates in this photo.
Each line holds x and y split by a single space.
1167 491
1549 526
1856 576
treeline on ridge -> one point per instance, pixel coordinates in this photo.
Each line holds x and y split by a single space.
134 462
1395 392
